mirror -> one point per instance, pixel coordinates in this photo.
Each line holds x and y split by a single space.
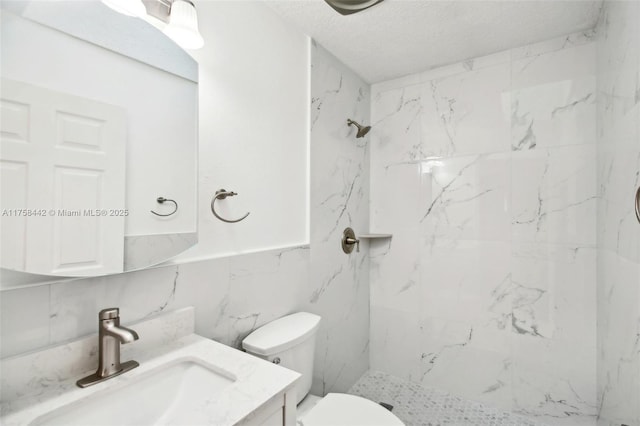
98 122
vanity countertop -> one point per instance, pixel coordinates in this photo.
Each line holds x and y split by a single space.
257 382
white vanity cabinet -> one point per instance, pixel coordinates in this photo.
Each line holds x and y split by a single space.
275 413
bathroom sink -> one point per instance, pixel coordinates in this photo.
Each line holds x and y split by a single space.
167 395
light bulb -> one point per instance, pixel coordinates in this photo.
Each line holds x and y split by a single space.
183 25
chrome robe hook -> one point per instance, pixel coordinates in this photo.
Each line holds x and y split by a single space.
221 194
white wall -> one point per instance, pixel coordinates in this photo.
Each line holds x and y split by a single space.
254 91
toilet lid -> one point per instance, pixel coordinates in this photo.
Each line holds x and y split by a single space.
339 409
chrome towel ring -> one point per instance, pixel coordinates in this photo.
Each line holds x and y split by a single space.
221 194
162 200
638 204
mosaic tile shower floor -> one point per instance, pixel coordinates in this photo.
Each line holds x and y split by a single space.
417 405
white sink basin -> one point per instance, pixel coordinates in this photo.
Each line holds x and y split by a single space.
167 395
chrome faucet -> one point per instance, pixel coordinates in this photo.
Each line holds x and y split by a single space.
110 334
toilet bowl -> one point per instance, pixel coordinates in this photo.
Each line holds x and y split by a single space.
290 342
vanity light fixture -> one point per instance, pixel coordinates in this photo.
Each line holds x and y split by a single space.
127 7
178 19
183 25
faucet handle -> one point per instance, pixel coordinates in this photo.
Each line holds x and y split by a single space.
109 313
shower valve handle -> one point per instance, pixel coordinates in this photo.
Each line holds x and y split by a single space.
348 240
352 241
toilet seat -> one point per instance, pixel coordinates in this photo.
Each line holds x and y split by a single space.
339 409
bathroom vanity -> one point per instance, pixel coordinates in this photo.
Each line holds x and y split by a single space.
182 379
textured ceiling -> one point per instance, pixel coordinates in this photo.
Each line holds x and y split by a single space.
400 37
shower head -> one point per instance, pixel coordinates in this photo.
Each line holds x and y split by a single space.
362 130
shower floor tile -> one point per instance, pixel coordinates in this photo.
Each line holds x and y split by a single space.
417 405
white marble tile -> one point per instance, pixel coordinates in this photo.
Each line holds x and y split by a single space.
618 344
463 280
554 292
396 83
24 320
274 281
467 198
396 116
574 63
618 180
506 236
553 324
553 45
396 196
503 57
265 282
618 232
554 195
554 113
75 305
205 286
339 176
342 353
395 272
553 98
396 342
466 66
466 113
453 351
618 73
338 291
554 383
446 71
337 288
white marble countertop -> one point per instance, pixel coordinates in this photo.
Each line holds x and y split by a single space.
257 382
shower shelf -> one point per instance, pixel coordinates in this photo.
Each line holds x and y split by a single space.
374 236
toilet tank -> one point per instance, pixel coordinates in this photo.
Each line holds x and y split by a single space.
290 342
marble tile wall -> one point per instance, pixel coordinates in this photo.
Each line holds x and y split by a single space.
618 231
38 372
235 295
484 172
231 296
338 287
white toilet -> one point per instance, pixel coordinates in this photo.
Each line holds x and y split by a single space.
290 341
